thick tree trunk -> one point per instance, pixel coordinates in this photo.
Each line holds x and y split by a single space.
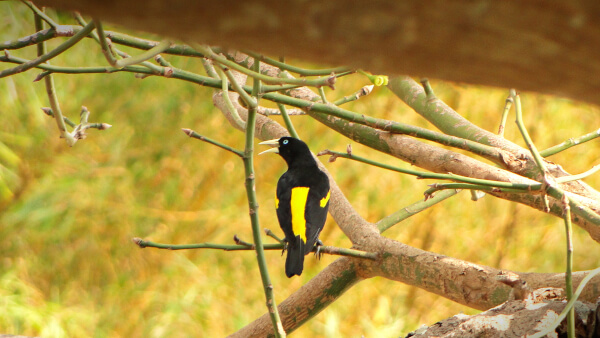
543 46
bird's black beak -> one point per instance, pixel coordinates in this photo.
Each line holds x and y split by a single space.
272 143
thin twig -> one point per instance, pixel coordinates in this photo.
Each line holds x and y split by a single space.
364 91
197 136
106 48
330 250
532 148
569 305
569 270
253 205
326 81
53 53
570 143
428 175
41 14
507 105
149 54
301 71
225 93
288 122
413 209
581 176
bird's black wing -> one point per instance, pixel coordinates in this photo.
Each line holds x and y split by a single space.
284 212
294 262
317 205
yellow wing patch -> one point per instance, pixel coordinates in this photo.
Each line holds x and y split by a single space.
325 199
298 206
276 202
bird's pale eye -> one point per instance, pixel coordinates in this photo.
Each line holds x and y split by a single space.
285 141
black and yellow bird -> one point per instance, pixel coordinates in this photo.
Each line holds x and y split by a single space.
302 201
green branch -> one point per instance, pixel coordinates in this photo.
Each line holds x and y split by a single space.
570 143
225 94
330 250
41 14
253 206
581 176
297 70
288 122
413 209
507 105
197 136
364 91
539 161
327 81
49 83
48 56
569 272
428 175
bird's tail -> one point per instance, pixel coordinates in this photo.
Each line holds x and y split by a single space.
294 262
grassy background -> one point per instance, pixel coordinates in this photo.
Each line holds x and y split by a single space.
67 215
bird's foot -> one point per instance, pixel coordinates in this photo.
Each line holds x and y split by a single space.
285 246
318 253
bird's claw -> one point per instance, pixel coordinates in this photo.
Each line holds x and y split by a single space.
285 245
318 253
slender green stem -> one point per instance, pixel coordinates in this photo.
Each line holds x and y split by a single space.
106 49
428 90
301 71
444 186
50 89
250 101
488 152
570 143
521 125
327 81
159 48
322 94
331 250
195 135
539 161
413 209
47 56
50 112
288 122
428 175
271 234
569 305
41 14
569 272
507 105
578 177
253 206
225 93
364 91
227 247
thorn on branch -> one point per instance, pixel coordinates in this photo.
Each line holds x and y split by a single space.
42 75
239 241
333 157
187 131
139 242
331 81
520 289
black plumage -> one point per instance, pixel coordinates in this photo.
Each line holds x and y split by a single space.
302 201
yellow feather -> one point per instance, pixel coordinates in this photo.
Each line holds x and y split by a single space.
298 206
325 199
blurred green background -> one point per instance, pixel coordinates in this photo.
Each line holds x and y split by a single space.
68 267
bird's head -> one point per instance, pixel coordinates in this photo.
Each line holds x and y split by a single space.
293 150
